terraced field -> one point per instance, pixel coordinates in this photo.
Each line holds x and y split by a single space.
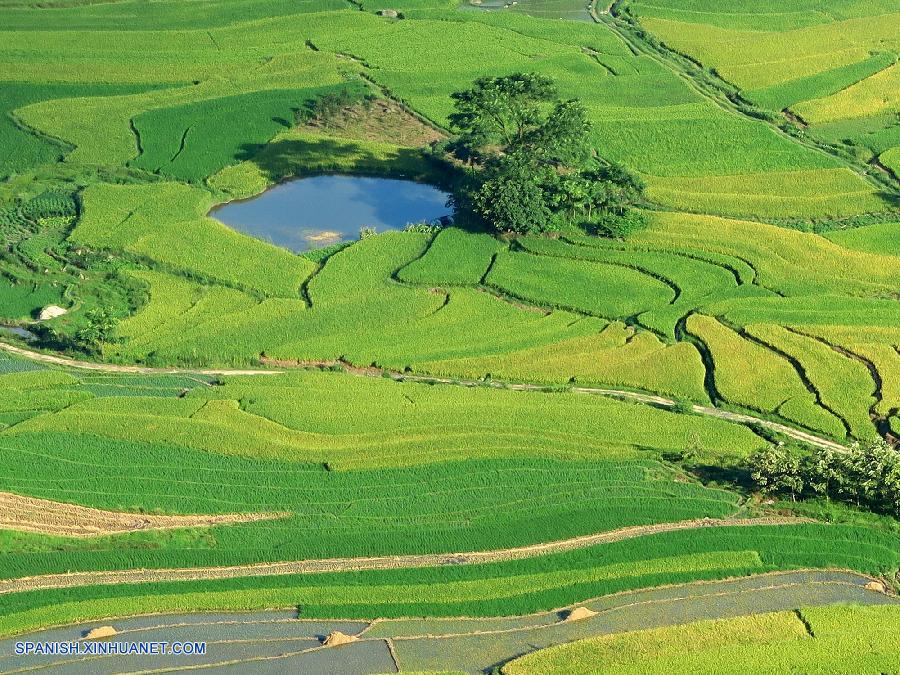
455 445
473 644
840 91
778 641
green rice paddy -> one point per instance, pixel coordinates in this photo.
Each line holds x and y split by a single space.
765 283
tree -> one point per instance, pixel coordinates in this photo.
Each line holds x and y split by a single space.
537 168
877 466
500 110
866 475
824 472
98 329
561 139
512 197
774 469
572 193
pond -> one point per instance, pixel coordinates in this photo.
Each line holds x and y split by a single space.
313 212
18 331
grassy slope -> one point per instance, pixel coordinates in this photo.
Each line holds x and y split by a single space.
835 69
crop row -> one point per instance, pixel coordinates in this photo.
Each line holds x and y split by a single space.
821 84
843 382
194 140
165 222
832 638
615 357
270 423
596 288
790 54
361 313
498 589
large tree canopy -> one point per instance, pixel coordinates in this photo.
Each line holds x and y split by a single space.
501 110
536 167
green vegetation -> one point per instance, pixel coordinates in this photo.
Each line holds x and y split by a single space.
536 170
23 150
834 73
814 640
843 384
558 282
748 374
499 589
780 96
883 238
165 222
195 140
864 475
676 198
455 258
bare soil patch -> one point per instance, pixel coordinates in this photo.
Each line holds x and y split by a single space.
42 516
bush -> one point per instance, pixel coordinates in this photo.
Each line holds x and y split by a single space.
619 226
326 107
49 204
423 228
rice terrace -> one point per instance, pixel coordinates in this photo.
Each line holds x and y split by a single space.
480 336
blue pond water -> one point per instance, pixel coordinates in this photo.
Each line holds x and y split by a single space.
321 210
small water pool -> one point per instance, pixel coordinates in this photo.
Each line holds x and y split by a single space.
313 212
18 331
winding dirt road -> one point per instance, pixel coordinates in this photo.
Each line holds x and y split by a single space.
76 579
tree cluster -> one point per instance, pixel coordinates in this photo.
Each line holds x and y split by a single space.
866 475
536 170
98 328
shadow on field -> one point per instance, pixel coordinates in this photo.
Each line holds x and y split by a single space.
725 476
891 198
297 157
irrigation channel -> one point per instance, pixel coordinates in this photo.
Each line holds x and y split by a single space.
278 366
280 641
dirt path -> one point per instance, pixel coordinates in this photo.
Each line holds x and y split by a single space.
42 516
76 579
112 368
278 367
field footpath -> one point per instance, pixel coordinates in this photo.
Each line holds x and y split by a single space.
60 519
55 360
138 576
279 367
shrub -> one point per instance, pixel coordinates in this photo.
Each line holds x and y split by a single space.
619 226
